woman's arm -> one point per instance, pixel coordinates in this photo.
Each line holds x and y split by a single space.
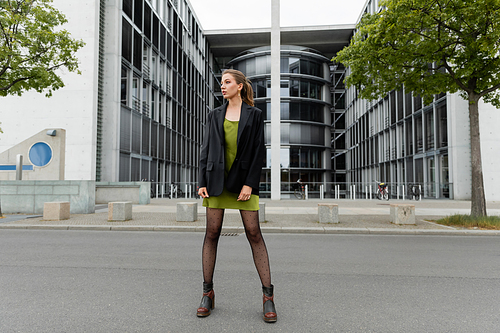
258 154
202 179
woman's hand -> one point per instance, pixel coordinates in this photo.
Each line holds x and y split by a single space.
202 192
246 192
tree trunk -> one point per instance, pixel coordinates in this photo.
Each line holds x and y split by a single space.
478 201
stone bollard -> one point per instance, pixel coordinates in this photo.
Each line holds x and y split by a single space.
402 214
262 212
328 213
120 211
56 211
187 211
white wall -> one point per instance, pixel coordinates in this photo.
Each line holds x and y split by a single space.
459 148
72 108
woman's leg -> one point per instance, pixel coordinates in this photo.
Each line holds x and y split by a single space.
259 250
212 234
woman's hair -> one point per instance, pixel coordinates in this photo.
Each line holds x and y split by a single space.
247 91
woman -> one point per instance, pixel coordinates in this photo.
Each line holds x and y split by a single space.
231 161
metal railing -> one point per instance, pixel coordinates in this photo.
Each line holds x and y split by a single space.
323 190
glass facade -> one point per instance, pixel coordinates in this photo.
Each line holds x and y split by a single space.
165 93
398 139
401 141
305 110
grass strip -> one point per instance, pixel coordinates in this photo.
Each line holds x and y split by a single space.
471 222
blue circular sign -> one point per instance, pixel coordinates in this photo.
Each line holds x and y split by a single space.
40 154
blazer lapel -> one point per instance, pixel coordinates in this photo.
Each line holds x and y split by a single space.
244 116
221 114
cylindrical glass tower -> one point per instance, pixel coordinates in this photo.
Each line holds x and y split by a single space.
305 112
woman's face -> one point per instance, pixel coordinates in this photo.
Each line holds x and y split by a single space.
229 87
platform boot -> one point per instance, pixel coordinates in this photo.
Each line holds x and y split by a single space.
207 301
269 311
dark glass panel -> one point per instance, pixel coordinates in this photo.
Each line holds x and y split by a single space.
418 133
124 86
145 136
126 40
145 171
156 31
408 106
125 128
124 167
400 104
137 50
127 8
169 48
154 139
163 36
417 103
138 13
294 88
136 133
304 66
429 130
304 89
147 20
392 106
442 125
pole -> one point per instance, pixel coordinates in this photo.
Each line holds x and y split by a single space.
275 101
19 167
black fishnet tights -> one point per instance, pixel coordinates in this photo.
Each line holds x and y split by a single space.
254 236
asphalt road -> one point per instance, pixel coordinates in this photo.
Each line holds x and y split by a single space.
91 281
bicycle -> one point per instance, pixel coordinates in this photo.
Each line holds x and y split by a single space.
414 191
382 191
176 190
299 192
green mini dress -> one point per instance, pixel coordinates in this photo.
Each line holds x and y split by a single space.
229 200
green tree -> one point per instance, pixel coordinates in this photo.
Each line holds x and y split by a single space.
430 47
33 47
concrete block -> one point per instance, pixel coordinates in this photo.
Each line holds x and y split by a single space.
40 201
328 213
402 214
120 211
262 211
56 211
187 211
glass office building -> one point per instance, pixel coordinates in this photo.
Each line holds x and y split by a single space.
166 91
305 110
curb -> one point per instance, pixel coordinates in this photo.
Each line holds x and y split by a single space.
240 230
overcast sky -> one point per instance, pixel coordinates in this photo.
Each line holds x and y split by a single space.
238 14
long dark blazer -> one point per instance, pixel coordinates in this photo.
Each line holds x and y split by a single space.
247 165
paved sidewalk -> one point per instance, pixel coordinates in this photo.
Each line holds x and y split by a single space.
289 216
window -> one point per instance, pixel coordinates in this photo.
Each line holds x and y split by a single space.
284 90
124 86
126 40
138 13
429 130
127 8
147 21
137 50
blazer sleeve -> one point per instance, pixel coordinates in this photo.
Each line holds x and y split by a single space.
202 179
259 151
